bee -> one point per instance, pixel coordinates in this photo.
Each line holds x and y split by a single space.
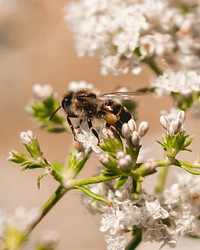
86 106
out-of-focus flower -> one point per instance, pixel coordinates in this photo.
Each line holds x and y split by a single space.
117 243
27 137
43 91
137 30
181 82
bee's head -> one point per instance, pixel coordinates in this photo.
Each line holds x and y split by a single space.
66 102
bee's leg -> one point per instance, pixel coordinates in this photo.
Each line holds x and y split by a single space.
71 126
89 122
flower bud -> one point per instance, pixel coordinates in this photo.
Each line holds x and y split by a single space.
135 139
181 116
126 133
120 154
143 128
132 125
176 125
164 122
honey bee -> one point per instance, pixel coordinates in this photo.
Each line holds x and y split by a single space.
86 106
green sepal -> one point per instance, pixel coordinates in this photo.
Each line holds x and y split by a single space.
113 144
74 163
92 194
133 151
17 157
173 144
34 149
122 180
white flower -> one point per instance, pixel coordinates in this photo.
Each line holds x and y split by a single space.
50 238
121 29
27 137
89 141
22 218
42 91
117 243
132 214
111 220
182 82
155 210
159 233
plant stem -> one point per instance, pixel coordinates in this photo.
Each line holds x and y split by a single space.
57 195
153 66
135 241
161 179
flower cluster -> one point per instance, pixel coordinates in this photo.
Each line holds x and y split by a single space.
160 217
130 32
175 125
183 82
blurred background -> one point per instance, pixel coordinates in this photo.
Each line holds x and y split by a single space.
36 46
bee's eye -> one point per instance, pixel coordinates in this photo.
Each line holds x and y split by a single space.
66 101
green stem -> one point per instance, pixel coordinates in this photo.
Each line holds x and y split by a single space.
135 241
153 66
57 195
161 179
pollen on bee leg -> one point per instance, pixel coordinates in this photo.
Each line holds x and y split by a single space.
111 118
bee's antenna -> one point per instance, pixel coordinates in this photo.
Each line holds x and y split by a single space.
51 117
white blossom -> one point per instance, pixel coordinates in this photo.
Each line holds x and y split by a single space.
49 238
27 137
110 221
42 91
126 32
117 243
182 82
21 219
88 140
79 86
155 210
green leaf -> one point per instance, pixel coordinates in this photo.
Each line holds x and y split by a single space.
39 179
92 194
122 180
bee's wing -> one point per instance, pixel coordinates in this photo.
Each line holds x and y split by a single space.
122 95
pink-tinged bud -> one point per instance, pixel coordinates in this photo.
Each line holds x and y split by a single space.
164 122
135 139
132 125
126 133
143 128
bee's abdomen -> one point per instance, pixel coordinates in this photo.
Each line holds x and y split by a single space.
120 113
